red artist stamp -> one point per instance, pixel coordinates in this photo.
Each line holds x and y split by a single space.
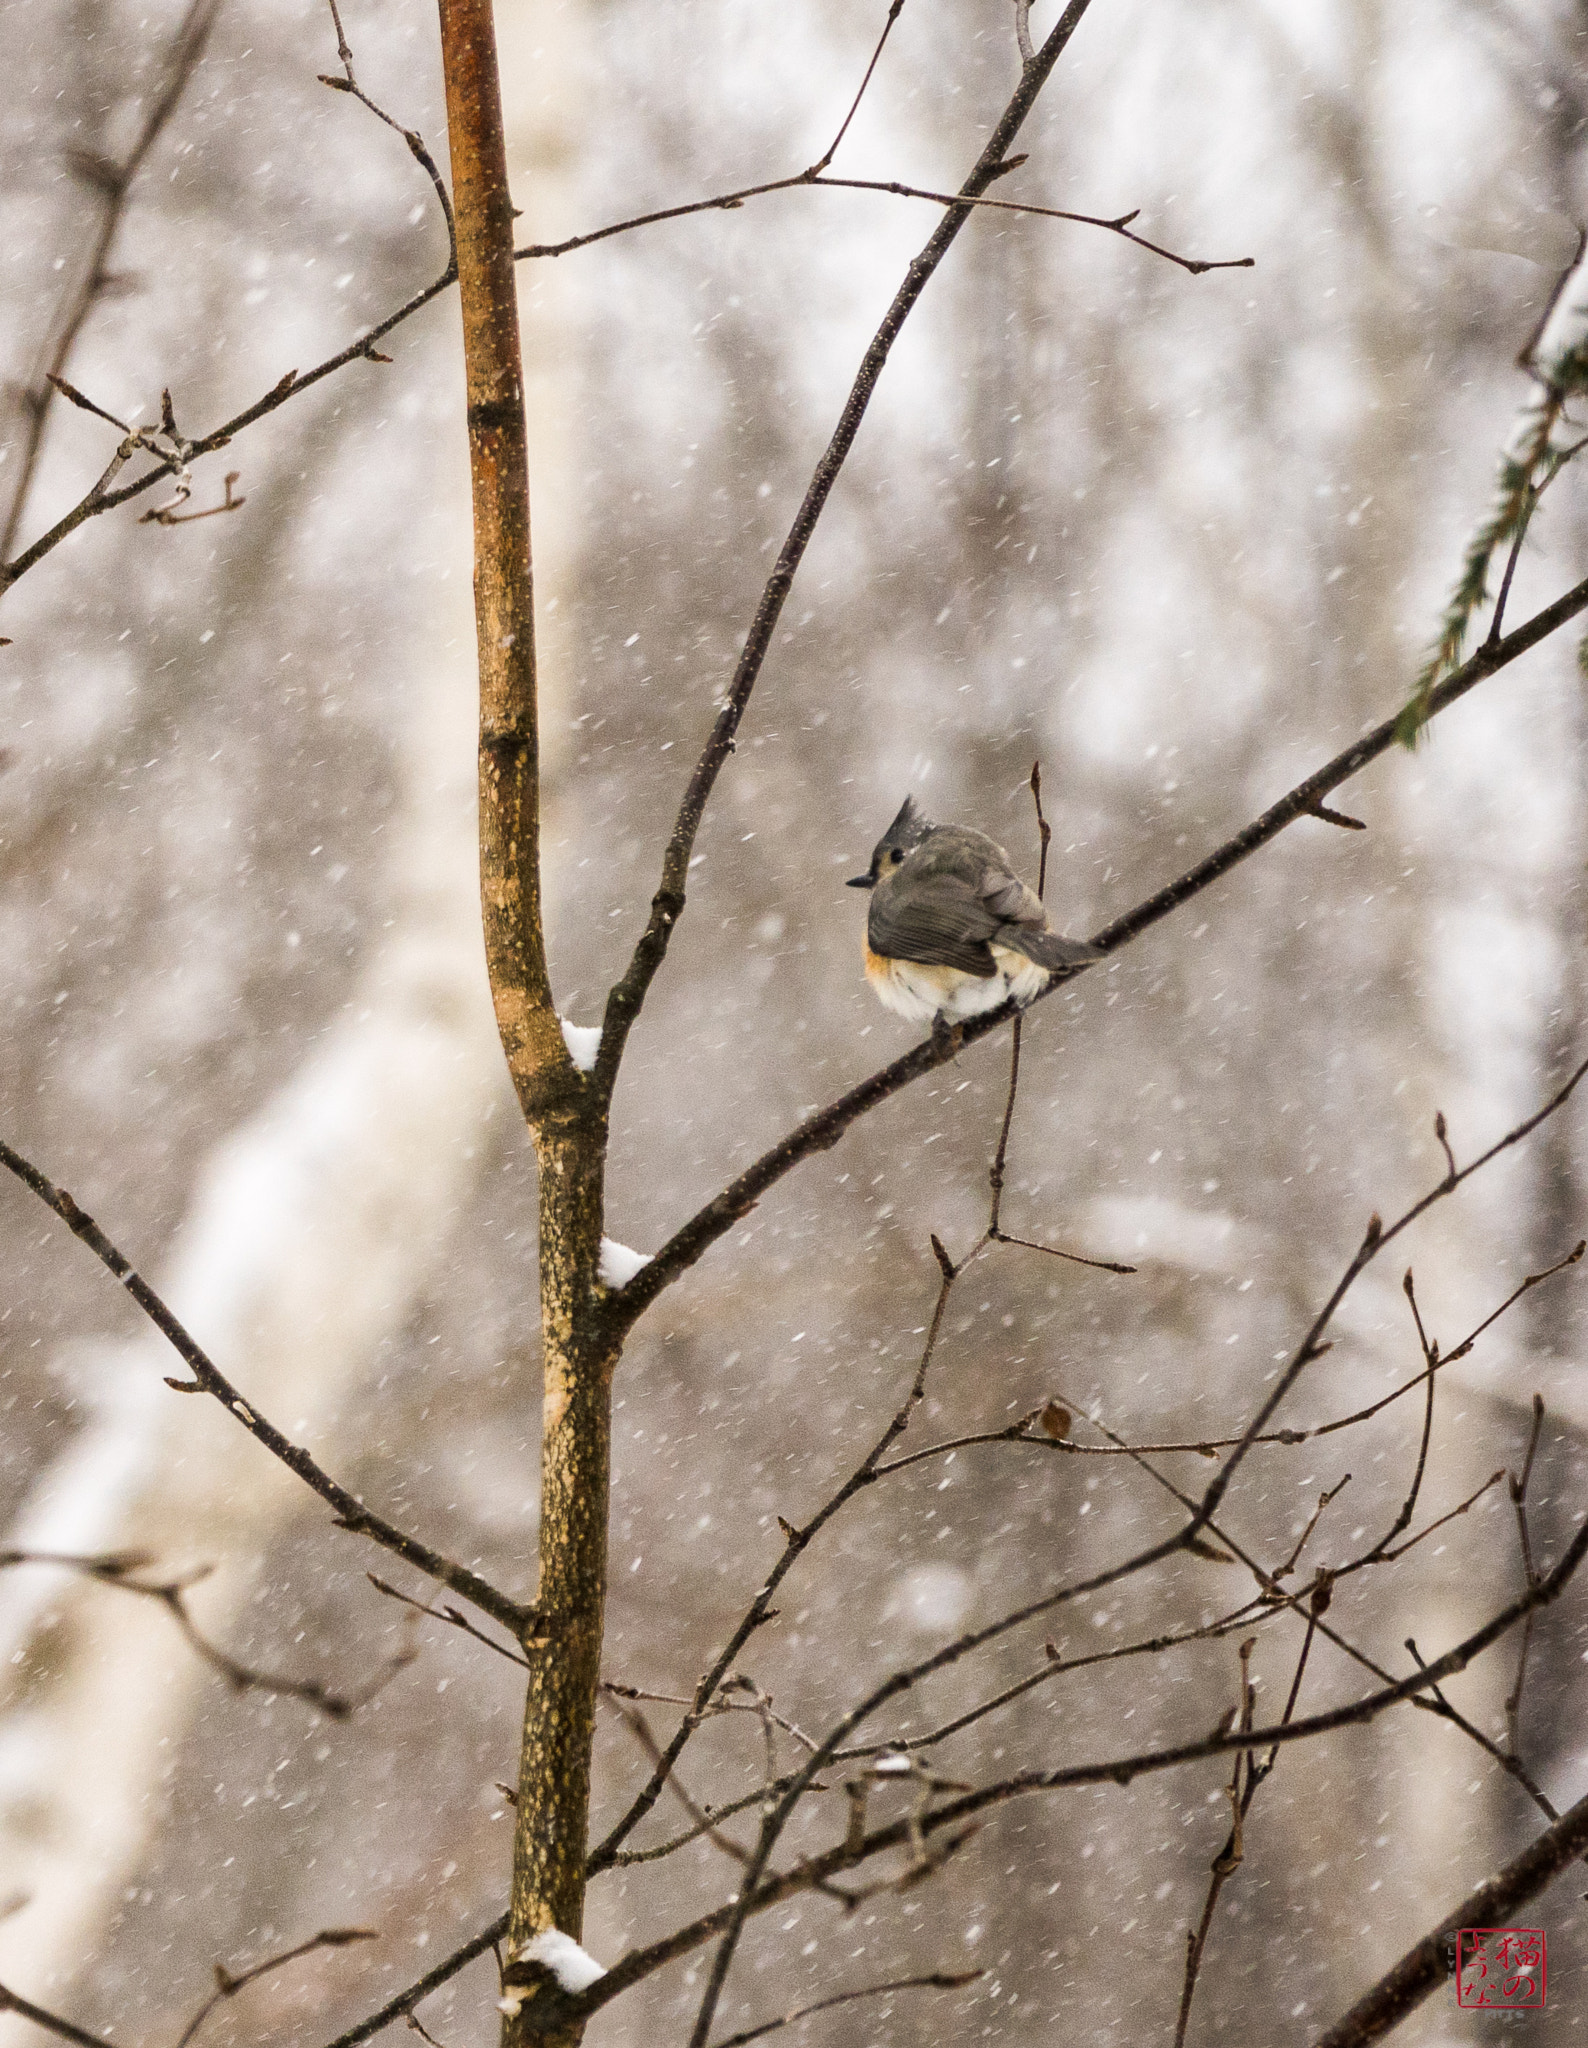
1500 1968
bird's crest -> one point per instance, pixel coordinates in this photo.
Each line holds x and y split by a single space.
908 829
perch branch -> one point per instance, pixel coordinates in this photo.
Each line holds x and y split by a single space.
820 1132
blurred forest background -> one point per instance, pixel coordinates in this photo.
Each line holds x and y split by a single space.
1180 538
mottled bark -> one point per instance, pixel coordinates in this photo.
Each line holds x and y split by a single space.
559 1710
503 585
565 1110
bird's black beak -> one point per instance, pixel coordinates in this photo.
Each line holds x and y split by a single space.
861 882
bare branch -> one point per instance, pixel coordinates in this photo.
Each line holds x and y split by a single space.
1518 1490
351 1512
820 1132
450 1616
934 1980
402 2005
1423 1969
1431 1356
1117 224
1533 1280
795 1543
764 1892
1056 1251
895 9
227 1985
1324 1498
628 995
120 1568
1512 1765
348 83
634 1720
1229 1858
729 202
103 499
1389 1556
111 182
51 2022
995 1174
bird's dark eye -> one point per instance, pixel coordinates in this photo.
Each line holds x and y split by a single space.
896 856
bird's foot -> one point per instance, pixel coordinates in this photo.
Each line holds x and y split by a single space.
946 1037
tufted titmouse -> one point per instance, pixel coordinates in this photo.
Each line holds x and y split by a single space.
952 929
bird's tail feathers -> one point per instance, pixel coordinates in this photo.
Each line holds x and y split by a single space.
1049 950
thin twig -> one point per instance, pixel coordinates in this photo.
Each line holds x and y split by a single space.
795 1543
112 182
724 1703
1518 1491
1389 1556
118 1568
348 83
637 1724
765 1893
995 1177
1439 1706
729 202
1055 1251
934 1980
1229 1858
101 498
402 2005
227 1985
1530 506
1431 1361
1533 1280
1118 224
895 9
1324 1498
627 996
351 1512
450 1616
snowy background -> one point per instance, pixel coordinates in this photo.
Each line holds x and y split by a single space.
1180 538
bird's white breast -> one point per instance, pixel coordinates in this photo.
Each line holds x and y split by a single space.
918 992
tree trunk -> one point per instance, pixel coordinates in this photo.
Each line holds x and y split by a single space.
564 1108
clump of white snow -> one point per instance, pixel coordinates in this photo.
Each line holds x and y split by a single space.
574 1968
618 1265
583 1042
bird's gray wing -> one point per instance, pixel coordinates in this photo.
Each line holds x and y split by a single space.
1009 900
1023 925
942 922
